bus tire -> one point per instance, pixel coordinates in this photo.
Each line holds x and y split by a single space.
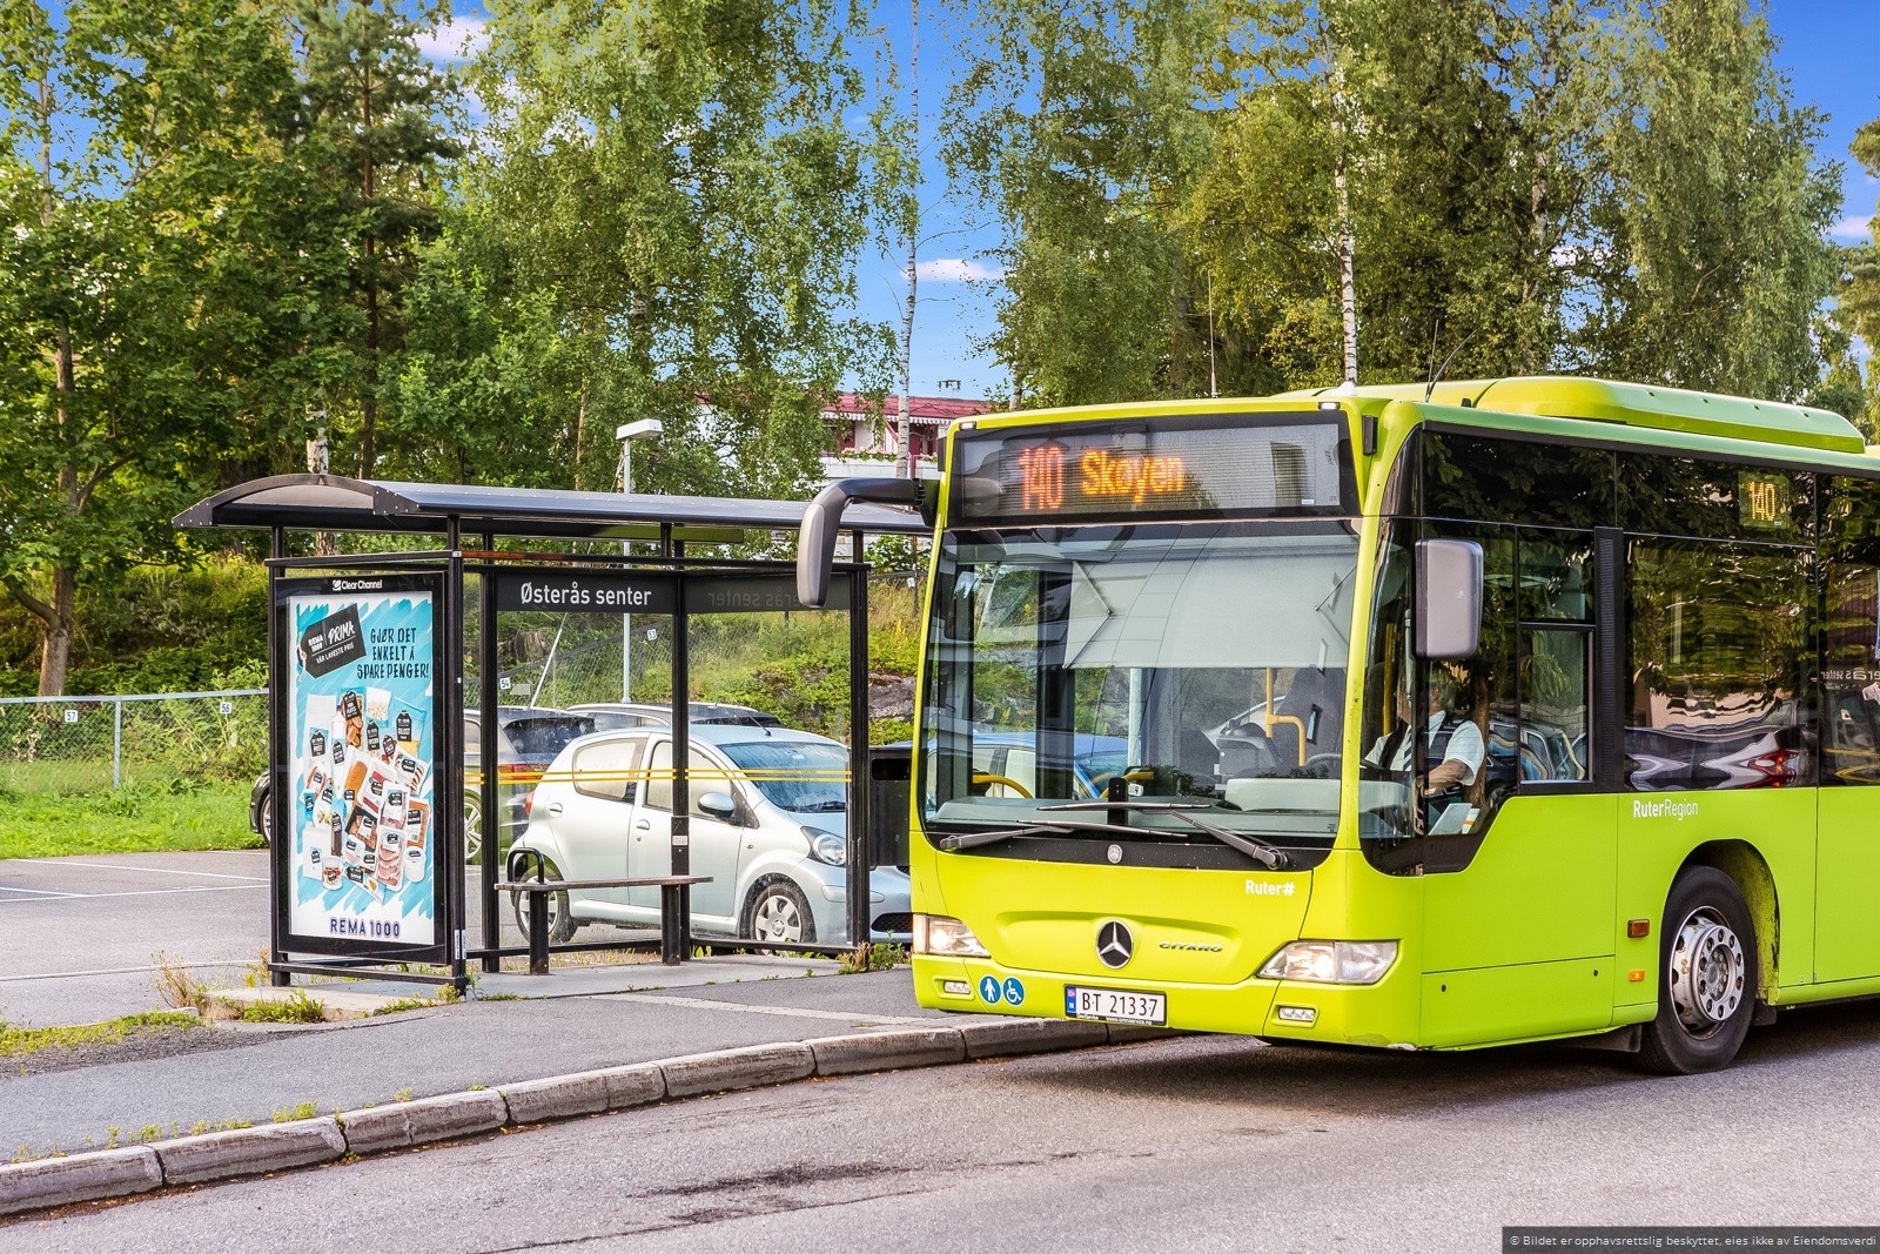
1707 977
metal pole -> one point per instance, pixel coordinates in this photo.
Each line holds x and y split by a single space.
681 755
488 718
450 740
859 872
626 550
280 854
117 744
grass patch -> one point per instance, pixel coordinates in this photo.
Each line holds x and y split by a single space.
138 819
18 1042
296 1008
305 1110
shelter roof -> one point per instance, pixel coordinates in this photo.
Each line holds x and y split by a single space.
334 503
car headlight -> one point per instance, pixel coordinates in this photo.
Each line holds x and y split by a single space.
937 934
1331 962
827 846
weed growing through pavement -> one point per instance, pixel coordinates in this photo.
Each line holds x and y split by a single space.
877 957
304 1110
402 1005
297 1008
258 970
177 988
402 1095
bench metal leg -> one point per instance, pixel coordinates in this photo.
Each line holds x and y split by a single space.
538 933
671 925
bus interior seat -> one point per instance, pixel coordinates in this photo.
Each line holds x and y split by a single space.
1313 700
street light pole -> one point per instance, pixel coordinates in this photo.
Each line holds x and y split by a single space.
627 433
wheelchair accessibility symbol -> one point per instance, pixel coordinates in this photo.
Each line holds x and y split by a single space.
1014 991
989 990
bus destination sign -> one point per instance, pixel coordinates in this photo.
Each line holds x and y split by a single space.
1213 467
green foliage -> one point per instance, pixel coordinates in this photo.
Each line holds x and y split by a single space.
19 1041
675 193
296 1007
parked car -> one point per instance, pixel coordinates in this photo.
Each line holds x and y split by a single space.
529 739
614 715
768 825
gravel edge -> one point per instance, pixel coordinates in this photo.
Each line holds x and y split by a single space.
100 1174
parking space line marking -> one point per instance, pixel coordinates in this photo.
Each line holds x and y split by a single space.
148 870
67 975
701 1003
142 892
43 892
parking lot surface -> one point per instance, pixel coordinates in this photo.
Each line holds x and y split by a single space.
78 936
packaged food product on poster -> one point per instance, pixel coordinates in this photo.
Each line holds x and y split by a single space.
413 769
372 737
353 711
417 825
404 727
378 704
316 744
356 776
392 814
391 860
331 874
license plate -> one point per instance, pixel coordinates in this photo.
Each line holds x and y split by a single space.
1115 1005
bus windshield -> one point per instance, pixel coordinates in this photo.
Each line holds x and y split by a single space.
1199 666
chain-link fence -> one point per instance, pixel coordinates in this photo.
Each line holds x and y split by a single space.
82 744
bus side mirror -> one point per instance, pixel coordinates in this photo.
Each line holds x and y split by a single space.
1449 599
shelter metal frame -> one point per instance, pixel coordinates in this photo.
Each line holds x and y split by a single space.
332 503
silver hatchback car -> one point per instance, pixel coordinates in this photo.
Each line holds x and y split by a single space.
769 823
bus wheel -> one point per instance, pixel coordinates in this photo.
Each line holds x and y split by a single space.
1707 974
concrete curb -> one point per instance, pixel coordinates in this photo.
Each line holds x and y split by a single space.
248 1151
136 1169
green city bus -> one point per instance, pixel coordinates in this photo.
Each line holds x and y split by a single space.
1412 717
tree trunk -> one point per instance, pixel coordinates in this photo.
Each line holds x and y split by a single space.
1341 184
55 632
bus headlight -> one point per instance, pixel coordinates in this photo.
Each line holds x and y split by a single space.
1331 962
937 934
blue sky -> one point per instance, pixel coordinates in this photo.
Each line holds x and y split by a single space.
1830 49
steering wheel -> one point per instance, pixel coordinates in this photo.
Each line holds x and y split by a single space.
1323 765
1008 782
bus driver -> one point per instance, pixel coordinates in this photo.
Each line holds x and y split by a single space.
1455 748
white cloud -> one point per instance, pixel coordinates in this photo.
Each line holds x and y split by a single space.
1850 228
461 37
957 270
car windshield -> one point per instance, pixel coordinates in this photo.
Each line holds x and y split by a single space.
544 736
1189 665
800 775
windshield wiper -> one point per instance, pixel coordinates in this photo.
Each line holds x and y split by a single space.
973 840
1269 856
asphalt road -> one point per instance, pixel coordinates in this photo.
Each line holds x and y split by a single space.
1204 1144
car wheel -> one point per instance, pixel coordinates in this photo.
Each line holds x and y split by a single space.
780 913
472 829
561 924
266 817
1707 977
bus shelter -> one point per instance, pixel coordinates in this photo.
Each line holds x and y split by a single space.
389 821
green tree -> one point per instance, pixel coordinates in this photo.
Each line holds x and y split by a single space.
1857 310
373 145
680 190
1078 121
134 159
1711 248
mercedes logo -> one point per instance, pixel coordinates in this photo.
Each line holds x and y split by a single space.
1114 944
1115 854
